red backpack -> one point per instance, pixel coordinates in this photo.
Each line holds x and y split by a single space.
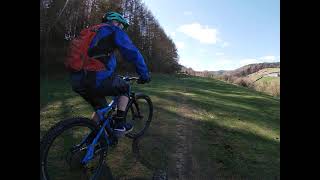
77 57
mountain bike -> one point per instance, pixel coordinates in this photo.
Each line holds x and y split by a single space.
76 148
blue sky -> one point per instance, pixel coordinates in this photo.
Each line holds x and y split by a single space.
221 34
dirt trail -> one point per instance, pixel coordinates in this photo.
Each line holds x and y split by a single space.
184 166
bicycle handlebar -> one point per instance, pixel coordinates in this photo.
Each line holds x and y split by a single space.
128 78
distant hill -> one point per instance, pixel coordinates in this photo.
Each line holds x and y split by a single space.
251 68
242 71
218 73
263 77
192 72
266 72
266 80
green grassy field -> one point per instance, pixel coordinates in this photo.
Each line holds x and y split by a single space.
202 128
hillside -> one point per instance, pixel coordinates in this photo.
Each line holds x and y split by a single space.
251 68
202 128
242 71
266 80
264 73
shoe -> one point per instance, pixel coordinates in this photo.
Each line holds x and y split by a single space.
122 128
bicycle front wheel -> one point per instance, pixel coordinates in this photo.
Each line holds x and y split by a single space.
63 148
139 113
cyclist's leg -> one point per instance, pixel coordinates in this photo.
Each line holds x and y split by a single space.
95 101
116 86
120 88
88 94
123 102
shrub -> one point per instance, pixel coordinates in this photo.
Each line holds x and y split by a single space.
243 81
274 89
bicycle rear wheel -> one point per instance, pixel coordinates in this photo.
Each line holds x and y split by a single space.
63 148
139 113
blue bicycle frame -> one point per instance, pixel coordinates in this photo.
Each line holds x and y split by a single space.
105 124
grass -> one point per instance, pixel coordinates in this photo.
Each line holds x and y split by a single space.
235 131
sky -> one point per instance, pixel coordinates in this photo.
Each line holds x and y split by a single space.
221 34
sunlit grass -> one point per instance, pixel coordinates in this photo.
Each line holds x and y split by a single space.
236 131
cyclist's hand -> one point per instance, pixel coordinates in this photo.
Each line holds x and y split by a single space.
143 80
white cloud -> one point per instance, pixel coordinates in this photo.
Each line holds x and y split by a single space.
221 64
172 34
270 58
201 50
244 62
204 34
259 60
225 61
186 13
225 44
189 62
180 45
219 54
210 64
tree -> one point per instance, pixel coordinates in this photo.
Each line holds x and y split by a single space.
157 48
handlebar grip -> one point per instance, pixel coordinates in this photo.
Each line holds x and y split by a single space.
134 78
126 78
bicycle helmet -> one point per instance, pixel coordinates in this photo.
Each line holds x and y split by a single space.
109 16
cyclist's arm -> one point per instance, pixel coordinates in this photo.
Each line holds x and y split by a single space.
130 52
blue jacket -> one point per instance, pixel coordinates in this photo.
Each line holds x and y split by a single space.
127 50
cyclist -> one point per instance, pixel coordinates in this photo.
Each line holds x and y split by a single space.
94 86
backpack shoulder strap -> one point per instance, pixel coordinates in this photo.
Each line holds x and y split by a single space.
109 40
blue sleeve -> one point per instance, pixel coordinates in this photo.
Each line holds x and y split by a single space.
102 33
130 52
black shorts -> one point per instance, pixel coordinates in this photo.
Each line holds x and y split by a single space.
84 85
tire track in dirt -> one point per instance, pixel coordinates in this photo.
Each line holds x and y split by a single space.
185 166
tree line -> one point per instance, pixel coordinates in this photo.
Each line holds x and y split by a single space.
62 20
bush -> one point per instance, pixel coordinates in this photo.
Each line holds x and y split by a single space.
223 77
242 81
274 89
